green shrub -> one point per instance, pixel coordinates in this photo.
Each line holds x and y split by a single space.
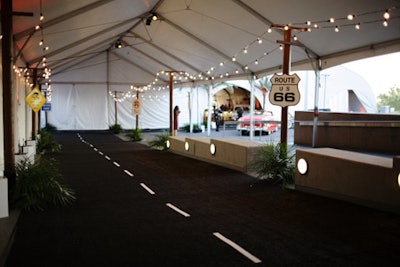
135 135
160 142
50 127
196 128
276 164
39 186
46 143
116 128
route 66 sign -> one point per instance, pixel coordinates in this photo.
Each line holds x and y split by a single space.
284 91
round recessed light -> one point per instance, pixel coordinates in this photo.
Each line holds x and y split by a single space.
302 166
187 146
213 149
398 179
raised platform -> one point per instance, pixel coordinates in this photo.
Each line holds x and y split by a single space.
356 177
232 153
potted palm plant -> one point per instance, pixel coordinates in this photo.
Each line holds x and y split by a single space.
276 164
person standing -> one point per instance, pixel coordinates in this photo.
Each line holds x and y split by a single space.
176 114
217 117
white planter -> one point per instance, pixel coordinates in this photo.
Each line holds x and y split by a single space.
3 198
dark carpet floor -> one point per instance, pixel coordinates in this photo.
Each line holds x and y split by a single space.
142 207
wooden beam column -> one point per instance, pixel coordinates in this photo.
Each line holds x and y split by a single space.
8 116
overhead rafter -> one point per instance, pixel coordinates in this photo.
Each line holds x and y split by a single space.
166 52
62 18
151 57
83 40
197 39
136 65
268 22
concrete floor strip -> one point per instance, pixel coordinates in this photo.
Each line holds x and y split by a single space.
147 189
237 247
178 210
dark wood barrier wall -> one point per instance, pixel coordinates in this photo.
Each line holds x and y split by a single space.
352 131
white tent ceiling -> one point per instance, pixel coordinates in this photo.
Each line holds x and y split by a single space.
196 36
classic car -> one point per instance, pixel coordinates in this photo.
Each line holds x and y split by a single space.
263 123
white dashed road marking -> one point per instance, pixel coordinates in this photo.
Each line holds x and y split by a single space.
129 173
178 210
147 189
116 164
237 247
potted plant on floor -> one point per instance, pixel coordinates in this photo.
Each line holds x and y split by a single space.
276 164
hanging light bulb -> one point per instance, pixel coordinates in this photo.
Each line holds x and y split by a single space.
357 26
386 15
259 40
332 20
385 23
351 16
336 28
233 58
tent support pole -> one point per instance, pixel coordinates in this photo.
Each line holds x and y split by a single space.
316 100
286 70
137 115
171 103
209 110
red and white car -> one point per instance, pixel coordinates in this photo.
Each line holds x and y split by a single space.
263 123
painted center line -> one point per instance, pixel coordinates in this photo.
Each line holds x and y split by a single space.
237 247
116 164
147 189
178 210
129 173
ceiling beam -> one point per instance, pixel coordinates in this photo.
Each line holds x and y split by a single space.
167 53
168 67
197 39
81 41
137 66
62 18
70 64
267 22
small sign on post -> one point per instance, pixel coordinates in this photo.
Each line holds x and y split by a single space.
46 106
35 99
136 107
284 91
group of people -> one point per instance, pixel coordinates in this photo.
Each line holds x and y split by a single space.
217 116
